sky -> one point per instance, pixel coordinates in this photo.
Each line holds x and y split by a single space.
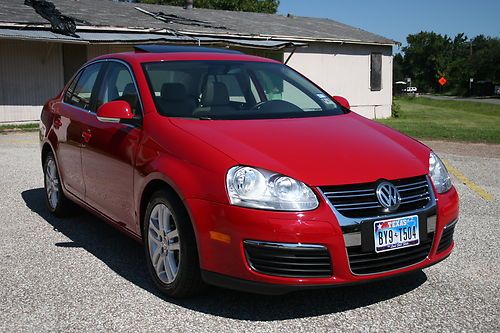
395 19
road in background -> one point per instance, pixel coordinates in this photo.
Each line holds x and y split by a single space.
464 99
79 274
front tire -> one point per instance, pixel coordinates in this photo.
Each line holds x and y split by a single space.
170 246
55 200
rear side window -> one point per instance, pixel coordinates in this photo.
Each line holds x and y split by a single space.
118 85
79 93
71 88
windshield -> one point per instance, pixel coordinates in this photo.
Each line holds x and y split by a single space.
235 90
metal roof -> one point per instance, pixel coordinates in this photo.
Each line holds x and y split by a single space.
133 38
200 22
86 37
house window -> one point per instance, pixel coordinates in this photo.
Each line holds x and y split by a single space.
376 71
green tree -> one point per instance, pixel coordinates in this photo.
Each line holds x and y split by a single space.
398 73
459 68
429 55
261 6
485 58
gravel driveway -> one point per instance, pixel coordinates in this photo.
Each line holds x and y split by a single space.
79 274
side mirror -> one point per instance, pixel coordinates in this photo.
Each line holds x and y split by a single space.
114 112
342 101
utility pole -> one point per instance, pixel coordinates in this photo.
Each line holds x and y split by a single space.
470 68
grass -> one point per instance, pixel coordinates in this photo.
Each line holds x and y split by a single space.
19 127
425 118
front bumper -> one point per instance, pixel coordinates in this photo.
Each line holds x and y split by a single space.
221 231
229 282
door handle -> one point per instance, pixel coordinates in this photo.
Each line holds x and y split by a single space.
57 122
87 135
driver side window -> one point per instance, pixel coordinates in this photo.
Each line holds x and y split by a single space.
80 91
118 85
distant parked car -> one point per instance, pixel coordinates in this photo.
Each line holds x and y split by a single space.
410 90
497 90
238 171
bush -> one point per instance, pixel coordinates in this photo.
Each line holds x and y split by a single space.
395 109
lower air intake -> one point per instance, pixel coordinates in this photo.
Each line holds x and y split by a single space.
446 239
290 260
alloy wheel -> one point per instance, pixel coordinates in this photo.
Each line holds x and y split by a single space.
164 243
52 183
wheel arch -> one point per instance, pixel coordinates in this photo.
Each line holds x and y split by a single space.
46 149
151 187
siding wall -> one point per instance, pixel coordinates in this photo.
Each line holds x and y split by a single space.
30 74
74 56
33 72
345 70
97 50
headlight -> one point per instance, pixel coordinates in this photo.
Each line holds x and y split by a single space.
259 188
439 175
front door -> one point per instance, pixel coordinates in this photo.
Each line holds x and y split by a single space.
108 156
69 115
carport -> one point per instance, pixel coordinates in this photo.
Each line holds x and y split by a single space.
40 51
43 56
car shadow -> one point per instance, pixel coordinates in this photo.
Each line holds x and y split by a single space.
125 257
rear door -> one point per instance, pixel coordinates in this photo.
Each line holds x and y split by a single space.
69 115
108 157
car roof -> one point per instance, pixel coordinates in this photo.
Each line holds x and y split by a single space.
157 53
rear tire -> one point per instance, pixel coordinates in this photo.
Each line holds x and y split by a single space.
55 200
170 246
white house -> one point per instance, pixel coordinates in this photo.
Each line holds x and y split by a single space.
42 45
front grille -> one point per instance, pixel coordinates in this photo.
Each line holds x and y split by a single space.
360 200
290 260
446 238
372 262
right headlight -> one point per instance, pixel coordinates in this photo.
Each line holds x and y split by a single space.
264 189
439 175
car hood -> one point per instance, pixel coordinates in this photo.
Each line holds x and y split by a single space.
330 150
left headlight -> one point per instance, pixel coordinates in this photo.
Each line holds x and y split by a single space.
439 175
259 188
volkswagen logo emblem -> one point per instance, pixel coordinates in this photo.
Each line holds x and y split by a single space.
388 196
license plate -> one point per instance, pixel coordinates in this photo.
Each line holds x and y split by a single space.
396 233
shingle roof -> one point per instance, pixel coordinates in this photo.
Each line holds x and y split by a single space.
102 13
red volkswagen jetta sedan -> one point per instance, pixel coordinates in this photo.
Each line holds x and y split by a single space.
236 171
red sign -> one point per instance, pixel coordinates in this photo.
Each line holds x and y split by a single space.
442 81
